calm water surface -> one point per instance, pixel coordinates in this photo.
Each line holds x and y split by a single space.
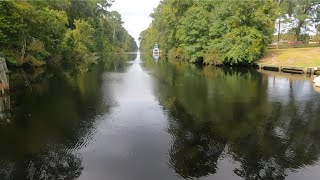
153 120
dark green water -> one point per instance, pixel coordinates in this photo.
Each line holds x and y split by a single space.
141 120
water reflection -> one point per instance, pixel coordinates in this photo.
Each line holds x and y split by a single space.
130 141
148 120
49 121
51 117
268 125
118 62
56 164
195 149
156 58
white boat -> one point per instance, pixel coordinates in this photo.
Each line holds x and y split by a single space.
156 51
316 81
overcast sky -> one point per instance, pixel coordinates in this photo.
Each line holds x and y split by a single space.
135 14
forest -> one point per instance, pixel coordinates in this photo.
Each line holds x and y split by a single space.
226 32
68 34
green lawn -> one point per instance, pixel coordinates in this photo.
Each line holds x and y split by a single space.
300 57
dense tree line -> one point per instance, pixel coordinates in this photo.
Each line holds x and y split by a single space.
217 32
67 33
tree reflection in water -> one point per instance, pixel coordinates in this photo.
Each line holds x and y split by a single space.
195 150
49 122
270 128
55 164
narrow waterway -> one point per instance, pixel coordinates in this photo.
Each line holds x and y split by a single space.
131 141
145 119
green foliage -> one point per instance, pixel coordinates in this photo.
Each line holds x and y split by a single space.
71 34
193 31
78 46
299 18
305 12
212 32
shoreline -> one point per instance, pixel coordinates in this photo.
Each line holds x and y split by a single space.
289 69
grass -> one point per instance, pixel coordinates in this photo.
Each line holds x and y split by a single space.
299 57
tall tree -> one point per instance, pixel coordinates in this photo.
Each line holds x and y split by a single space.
212 32
305 12
69 33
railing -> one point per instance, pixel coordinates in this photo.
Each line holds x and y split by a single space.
294 44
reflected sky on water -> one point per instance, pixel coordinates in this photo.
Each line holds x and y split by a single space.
146 119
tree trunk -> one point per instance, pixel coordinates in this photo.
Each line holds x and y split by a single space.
23 50
298 30
305 37
278 33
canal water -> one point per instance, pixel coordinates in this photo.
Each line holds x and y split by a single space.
144 119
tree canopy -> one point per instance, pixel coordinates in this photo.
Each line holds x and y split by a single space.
217 32
69 33
298 19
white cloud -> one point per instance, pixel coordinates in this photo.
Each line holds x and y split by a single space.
135 14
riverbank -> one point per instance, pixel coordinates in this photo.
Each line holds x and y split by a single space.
296 57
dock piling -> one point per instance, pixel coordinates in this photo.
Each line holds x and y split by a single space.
289 69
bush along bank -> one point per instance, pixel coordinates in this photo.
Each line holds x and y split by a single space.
217 32
68 34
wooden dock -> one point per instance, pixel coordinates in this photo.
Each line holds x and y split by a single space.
4 92
289 69
4 76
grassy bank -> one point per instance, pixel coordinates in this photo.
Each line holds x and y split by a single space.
300 57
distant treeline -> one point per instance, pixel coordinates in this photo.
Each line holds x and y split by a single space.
224 32
66 33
